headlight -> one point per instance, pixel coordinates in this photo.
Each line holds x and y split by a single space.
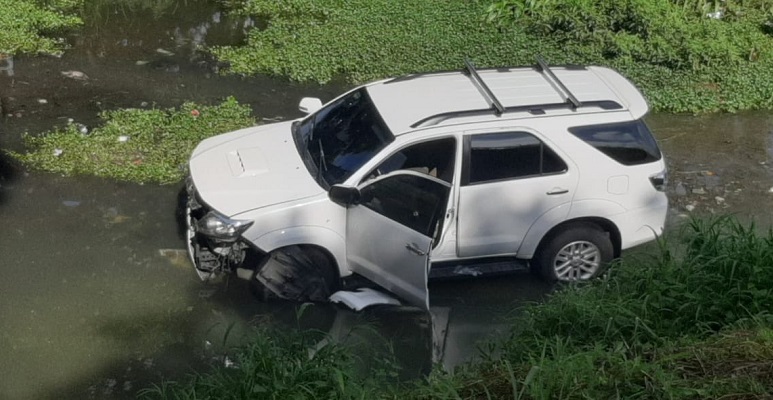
218 226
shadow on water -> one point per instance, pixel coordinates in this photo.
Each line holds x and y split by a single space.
9 174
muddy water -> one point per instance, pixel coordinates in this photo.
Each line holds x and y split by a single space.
95 299
719 164
95 302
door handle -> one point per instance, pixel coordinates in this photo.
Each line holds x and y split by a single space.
556 191
413 248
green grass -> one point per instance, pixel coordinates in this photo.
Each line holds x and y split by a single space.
156 148
682 60
283 365
28 26
693 321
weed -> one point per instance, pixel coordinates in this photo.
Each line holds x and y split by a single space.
28 26
133 144
681 59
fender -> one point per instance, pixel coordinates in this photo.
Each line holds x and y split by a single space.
579 209
320 236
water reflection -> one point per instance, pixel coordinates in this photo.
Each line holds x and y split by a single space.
6 64
132 27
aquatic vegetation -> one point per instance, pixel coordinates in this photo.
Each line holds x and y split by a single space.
134 144
26 26
684 58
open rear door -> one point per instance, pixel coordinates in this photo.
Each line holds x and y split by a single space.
390 232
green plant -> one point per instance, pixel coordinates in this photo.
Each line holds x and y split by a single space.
28 26
682 60
133 144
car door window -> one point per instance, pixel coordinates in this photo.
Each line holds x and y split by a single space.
511 155
410 199
434 158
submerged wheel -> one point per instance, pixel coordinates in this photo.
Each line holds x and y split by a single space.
299 273
578 253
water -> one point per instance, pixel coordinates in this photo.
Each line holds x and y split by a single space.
91 309
95 299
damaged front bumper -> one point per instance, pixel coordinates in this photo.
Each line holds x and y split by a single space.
214 242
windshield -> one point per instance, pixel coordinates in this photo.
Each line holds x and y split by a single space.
339 138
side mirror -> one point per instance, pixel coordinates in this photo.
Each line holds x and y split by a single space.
344 195
309 104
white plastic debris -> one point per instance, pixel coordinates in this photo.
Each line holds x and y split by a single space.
164 52
58 152
42 101
83 129
716 14
123 138
77 75
228 363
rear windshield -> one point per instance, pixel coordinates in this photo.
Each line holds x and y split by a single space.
629 143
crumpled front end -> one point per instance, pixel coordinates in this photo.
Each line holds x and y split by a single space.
214 241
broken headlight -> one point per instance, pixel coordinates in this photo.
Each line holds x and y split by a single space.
220 227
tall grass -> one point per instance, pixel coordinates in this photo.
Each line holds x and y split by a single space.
279 365
693 321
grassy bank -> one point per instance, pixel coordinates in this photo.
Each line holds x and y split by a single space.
691 322
133 144
681 59
28 26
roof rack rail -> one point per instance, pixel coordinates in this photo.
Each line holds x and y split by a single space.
543 67
535 109
499 109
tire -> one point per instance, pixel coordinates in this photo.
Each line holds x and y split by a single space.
298 273
578 253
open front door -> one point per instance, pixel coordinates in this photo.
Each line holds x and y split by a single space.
390 232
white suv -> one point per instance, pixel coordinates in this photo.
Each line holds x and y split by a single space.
553 167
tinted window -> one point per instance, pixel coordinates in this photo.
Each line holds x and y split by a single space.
434 158
510 155
411 200
629 143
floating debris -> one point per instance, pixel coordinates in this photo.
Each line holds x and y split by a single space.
42 101
83 129
77 75
164 52
71 203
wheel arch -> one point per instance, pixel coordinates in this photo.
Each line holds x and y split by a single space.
602 223
327 240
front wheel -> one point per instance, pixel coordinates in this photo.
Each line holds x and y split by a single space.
298 273
578 253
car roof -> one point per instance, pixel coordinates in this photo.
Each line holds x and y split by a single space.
420 100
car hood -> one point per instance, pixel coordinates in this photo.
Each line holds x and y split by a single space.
250 168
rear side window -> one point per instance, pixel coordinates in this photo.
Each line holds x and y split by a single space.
629 143
512 155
